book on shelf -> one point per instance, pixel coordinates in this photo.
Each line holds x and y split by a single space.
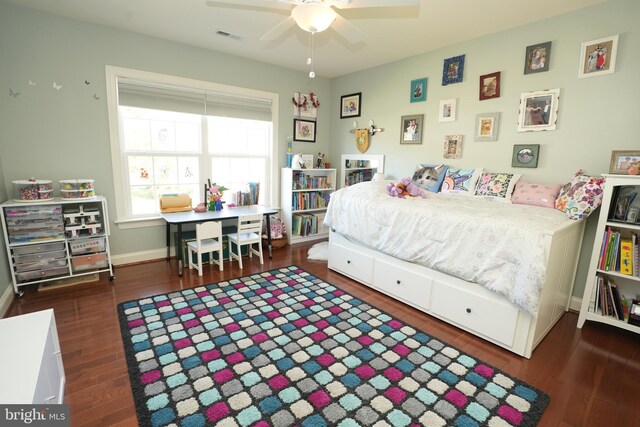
307 224
607 300
626 259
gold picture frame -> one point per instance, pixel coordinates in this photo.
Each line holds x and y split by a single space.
621 160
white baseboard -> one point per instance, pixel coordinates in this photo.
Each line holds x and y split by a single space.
142 256
575 303
5 300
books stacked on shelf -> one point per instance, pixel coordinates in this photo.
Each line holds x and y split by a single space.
302 181
359 176
620 254
248 197
306 201
608 301
307 224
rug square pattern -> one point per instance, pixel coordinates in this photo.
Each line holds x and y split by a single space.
285 348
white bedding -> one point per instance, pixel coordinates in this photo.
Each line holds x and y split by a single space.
495 244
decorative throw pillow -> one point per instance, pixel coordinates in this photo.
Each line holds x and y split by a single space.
497 186
580 196
460 181
543 195
429 177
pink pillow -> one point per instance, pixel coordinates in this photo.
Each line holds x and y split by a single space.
543 195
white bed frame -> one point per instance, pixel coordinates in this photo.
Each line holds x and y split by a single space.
464 304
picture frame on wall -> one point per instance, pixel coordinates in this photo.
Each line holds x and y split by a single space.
418 90
525 155
452 147
303 105
537 58
304 130
622 160
411 129
490 86
487 126
447 112
598 57
453 70
350 105
538 110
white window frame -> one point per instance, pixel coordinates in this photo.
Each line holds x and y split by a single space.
113 74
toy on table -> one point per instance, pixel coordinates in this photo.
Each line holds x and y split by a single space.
405 188
215 196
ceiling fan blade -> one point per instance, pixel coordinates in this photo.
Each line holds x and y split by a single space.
346 4
347 30
279 29
269 5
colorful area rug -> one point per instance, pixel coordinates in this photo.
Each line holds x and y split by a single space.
285 348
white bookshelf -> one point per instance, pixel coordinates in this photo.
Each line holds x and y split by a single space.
357 168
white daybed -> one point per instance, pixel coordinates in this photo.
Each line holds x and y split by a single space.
374 238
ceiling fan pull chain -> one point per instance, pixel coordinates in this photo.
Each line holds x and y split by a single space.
312 74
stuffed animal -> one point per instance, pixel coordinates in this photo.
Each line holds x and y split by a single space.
405 188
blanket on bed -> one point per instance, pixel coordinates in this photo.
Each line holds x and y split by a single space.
495 244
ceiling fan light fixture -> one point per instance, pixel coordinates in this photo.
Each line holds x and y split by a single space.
313 17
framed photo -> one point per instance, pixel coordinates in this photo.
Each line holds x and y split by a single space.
452 146
538 110
490 86
304 130
452 70
598 57
537 58
447 111
350 105
525 156
303 105
487 126
419 90
411 129
622 160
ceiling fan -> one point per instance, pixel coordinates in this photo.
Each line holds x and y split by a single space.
315 16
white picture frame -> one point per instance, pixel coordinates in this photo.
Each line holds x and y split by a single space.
598 57
447 111
303 107
538 110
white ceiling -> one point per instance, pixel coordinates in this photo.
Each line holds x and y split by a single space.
392 33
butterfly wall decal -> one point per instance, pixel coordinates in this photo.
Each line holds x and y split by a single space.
14 94
96 97
57 86
87 82
32 83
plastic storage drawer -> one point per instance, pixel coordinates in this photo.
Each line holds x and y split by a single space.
39 256
42 274
45 247
40 265
88 246
89 262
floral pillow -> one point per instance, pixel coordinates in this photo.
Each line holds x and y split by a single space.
497 186
429 177
460 181
543 195
580 196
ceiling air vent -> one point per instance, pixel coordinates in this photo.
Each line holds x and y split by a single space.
228 35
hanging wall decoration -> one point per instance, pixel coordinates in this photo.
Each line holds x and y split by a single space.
418 90
56 86
598 57
452 146
362 140
305 105
452 70
13 94
32 83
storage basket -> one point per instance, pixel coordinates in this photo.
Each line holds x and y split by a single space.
275 243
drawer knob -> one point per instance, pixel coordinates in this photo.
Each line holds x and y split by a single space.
348 261
468 310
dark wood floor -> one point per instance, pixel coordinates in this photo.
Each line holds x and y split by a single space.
592 375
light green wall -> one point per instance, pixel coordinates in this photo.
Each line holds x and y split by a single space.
5 274
64 134
596 114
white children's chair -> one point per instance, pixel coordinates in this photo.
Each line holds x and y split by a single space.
249 230
208 240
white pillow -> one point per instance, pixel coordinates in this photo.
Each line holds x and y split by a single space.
496 185
461 181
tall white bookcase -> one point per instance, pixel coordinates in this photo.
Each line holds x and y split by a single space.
614 217
305 197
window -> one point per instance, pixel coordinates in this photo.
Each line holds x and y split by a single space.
173 135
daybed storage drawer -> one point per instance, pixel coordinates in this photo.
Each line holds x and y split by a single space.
404 283
89 262
493 319
352 263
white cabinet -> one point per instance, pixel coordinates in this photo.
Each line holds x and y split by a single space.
609 265
360 168
305 196
31 369
50 240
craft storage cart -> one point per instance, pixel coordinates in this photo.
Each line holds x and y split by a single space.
53 240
